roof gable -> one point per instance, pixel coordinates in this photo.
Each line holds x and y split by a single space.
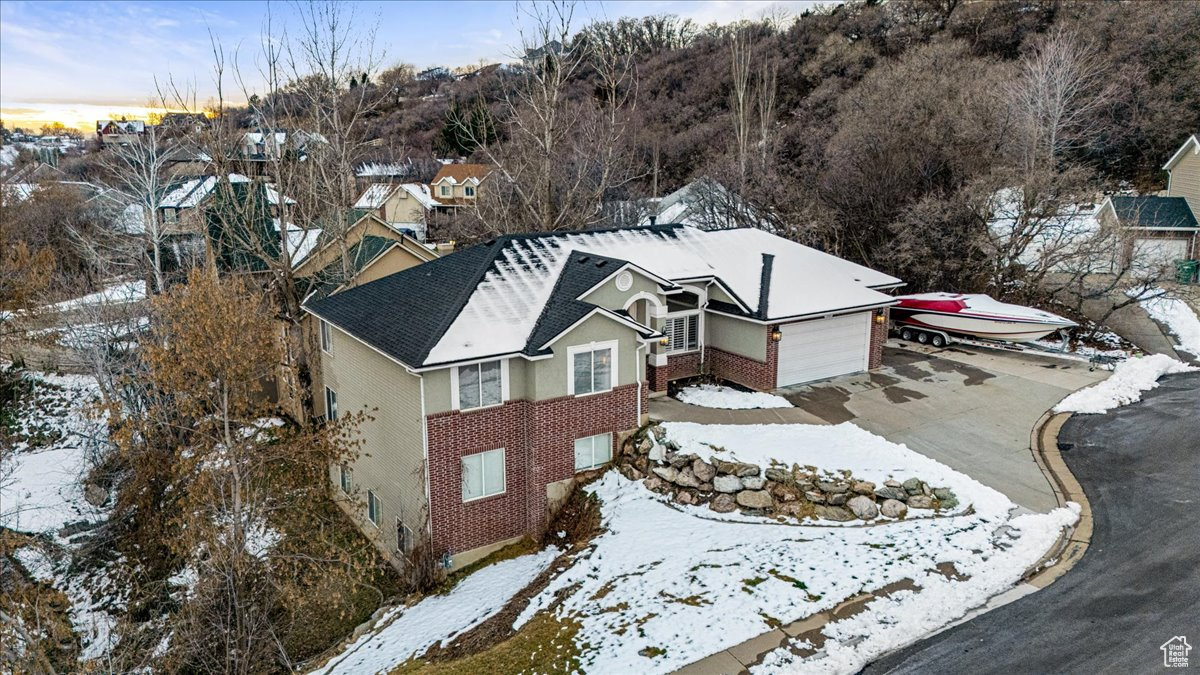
1191 144
1154 213
456 174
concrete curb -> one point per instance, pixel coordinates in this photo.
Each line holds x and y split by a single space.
1061 557
1074 542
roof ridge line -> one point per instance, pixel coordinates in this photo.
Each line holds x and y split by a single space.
465 297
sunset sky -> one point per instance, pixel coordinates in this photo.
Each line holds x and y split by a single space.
76 62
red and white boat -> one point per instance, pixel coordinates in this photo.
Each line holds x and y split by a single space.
971 315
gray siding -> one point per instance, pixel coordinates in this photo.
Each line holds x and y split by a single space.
391 456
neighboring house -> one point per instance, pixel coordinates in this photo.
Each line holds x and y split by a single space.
458 185
497 373
405 206
120 132
1164 227
383 172
260 151
707 205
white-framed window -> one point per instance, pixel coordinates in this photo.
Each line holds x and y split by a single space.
444 190
345 478
404 537
374 508
469 191
330 404
483 474
593 451
479 385
326 337
592 368
683 333
170 215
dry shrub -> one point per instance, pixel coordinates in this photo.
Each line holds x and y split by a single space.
576 522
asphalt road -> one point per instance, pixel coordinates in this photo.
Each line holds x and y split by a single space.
1137 586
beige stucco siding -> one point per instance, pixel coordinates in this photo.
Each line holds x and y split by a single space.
394 260
550 375
608 296
402 207
1185 180
736 336
391 459
439 397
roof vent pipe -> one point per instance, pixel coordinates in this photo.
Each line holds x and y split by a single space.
653 219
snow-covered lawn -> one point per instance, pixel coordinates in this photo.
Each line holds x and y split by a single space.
1125 386
58 437
1179 319
407 631
720 396
666 585
44 491
115 294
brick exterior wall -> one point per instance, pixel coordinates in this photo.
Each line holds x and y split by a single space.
678 367
744 370
539 442
879 336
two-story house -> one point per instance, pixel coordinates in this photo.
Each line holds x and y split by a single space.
458 184
120 132
497 373
1164 227
404 206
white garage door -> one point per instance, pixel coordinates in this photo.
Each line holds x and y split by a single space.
815 350
1159 253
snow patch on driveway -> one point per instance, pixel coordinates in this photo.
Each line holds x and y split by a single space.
1179 319
1125 386
720 396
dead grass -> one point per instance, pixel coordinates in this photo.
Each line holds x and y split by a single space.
546 644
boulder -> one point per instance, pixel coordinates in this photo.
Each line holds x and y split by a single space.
832 487
754 482
838 499
686 478
785 493
686 497
793 509
642 464
891 483
755 499
630 472
705 487
805 486
654 484
862 487
657 453
779 475
744 470
889 492
863 507
725 467
723 503
815 496
838 513
95 495
912 486
645 445
893 508
680 461
920 502
946 497
727 483
667 473
658 432
703 470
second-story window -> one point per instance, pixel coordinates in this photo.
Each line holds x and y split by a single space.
444 190
469 191
326 337
480 384
591 368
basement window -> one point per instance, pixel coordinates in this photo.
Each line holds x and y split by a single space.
593 451
483 475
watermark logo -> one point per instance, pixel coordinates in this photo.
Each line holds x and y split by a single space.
1175 652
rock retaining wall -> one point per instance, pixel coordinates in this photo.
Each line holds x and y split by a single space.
779 491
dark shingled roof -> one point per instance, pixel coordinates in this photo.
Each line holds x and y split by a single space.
1160 213
405 314
329 278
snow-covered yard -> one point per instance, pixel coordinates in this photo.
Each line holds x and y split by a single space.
119 293
665 585
407 631
720 396
42 492
1125 386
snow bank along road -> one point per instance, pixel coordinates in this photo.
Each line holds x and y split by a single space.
1135 588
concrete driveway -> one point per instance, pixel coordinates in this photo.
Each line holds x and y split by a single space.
1135 588
972 410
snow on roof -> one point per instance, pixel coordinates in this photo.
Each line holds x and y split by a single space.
383 169
421 193
19 191
374 196
300 242
190 193
501 313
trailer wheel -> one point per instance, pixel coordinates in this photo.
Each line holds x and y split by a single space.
923 337
906 334
937 341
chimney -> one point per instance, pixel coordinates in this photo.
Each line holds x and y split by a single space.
764 284
652 220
